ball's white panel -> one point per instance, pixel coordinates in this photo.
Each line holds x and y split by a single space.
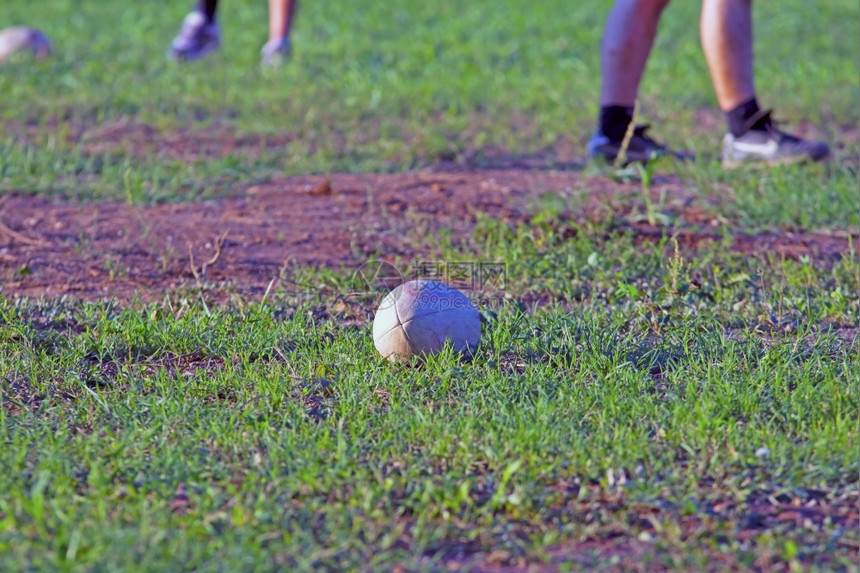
393 345
386 317
429 333
423 297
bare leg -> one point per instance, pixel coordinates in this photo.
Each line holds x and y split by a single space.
726 30
281 13
627 40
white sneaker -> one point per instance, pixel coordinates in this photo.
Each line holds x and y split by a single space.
769 145
275 52
196 39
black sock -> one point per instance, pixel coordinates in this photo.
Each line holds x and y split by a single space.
739 118
614 120
208 8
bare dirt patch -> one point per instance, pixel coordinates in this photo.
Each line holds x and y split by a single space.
240 244
126 136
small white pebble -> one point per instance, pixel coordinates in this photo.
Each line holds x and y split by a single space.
762 453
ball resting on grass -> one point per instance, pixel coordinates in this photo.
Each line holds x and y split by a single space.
419 317
21 38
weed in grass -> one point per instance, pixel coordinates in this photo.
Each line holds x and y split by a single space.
653 213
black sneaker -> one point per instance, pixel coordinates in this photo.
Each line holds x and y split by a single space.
640 149
766 144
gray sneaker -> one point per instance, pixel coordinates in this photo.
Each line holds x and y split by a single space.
196 39
768 145
275 53
640 149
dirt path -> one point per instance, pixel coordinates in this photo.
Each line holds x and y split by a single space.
100 250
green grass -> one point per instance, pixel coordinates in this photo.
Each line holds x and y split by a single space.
299 447
615 381
375 88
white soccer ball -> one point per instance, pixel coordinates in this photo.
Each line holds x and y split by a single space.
419 317
23 38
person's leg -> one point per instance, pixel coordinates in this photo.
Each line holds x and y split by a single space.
726 30
208 8
281 14
627 40
278 48
727 40
199 34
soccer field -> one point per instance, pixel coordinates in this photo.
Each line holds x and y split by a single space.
191 256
